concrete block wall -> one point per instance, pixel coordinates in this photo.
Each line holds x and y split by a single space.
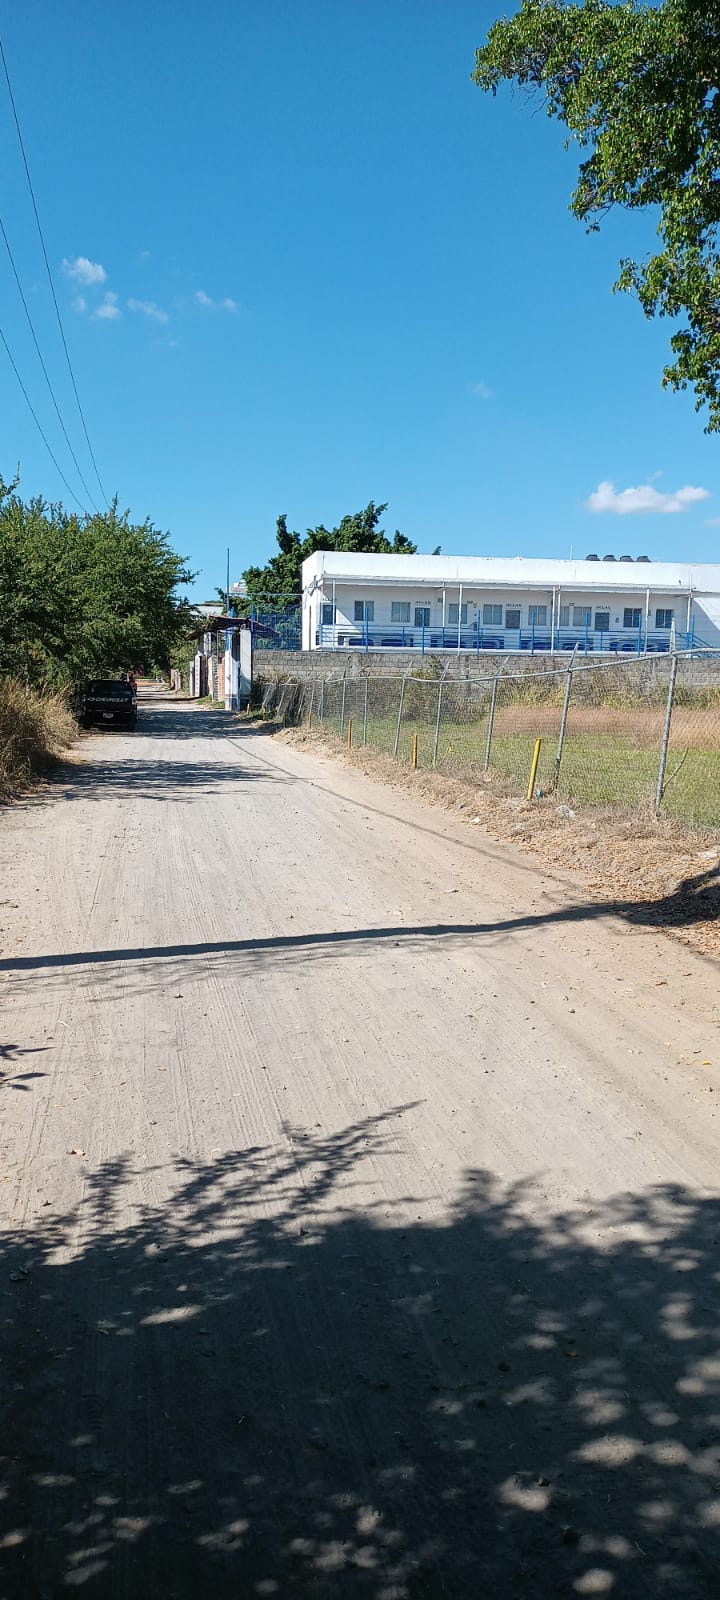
271 665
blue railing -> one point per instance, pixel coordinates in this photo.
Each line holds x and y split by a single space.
535 639
280 628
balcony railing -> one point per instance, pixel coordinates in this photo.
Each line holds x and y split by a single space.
535 639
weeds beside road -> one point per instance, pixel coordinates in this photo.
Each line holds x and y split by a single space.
35 729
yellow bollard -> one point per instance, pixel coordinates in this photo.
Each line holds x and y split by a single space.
534 767
349 734
414 751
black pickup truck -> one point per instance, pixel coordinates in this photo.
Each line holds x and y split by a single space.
108 700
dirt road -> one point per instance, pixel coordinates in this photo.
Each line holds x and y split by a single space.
359 1199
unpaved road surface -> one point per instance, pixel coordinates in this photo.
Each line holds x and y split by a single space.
358 1190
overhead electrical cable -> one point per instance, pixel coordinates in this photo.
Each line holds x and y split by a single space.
44 368
39 425
47 269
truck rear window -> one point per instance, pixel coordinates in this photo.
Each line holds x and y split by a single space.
111 686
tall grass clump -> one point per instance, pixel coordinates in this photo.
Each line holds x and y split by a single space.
35 727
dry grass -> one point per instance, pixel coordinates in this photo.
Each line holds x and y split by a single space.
657 871
34 730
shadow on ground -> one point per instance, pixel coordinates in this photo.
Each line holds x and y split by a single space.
202 722
135 778
692 901
255 1388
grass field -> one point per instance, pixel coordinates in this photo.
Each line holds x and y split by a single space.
610 757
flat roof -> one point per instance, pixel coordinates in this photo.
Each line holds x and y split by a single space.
485 572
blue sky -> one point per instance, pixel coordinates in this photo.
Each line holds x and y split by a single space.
332 271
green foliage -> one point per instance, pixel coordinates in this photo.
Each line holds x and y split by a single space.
84 596
638 87
282 574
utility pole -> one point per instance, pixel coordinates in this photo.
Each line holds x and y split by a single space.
227 585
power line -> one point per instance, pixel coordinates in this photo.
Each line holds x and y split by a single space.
39 426
49 273
42 363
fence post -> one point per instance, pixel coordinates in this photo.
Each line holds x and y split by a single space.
439 714
399 715
533 768
666 736
365 709
321 712
491 717
563 720
342 706
312 700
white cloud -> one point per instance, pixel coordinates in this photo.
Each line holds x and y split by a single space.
109 311
633 502
205 300
83 271
148 308
80 303
481 390
712 522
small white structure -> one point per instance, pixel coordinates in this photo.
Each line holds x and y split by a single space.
397 602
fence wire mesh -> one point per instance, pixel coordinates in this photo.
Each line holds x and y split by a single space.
633 735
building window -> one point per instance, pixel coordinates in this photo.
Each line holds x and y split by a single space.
581 616
328 616
537 615
364 610
664 619
492 616
602 621
512 616
632 617
422 616
400 611
454 617
564 617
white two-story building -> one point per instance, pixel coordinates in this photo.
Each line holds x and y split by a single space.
397 602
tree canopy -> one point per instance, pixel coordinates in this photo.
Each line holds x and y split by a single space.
87 596
282 575
638 88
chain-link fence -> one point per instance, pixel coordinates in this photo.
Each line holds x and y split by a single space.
633 734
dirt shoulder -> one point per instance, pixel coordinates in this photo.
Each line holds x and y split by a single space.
670 873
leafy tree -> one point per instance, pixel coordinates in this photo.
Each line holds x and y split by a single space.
638 88
84 596
282 575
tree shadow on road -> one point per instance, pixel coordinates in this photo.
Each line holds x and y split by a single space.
171 722
137 779
259 1386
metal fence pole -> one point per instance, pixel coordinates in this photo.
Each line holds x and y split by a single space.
342 706
563 720
399 715
491 717
666 736
365 710
321 712
439 714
